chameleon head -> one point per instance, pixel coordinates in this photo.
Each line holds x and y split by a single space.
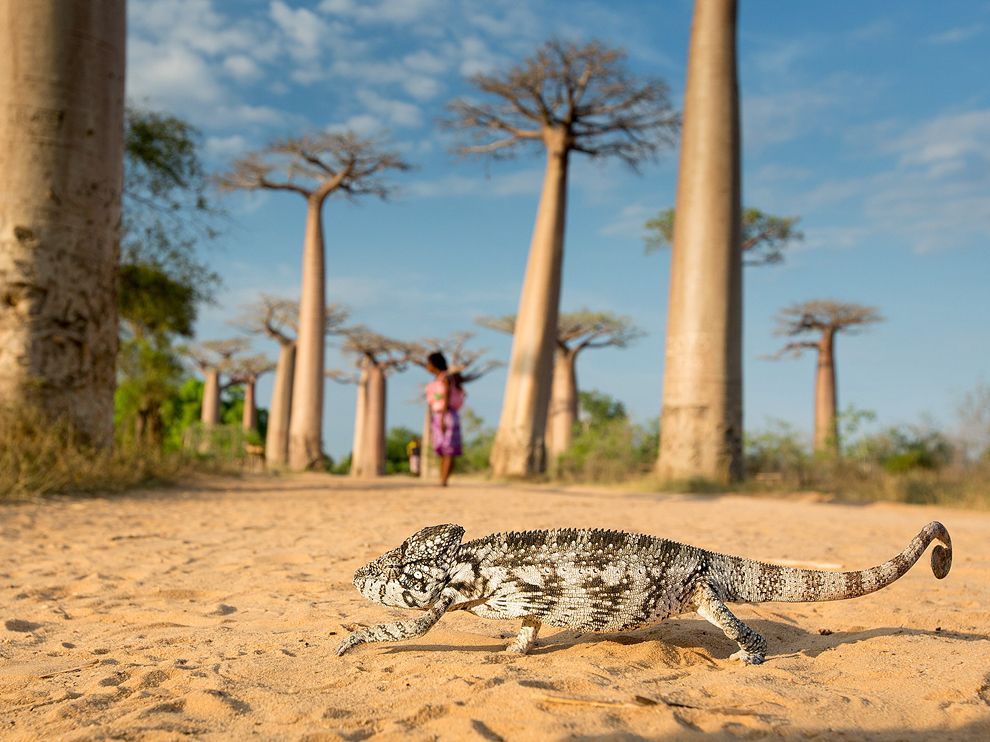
413 574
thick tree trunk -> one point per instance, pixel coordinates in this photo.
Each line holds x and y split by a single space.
826 402
249 418
372 460
429 462
519 447
360 419
563 404
701 420
210 409
306 418
61 149
277 437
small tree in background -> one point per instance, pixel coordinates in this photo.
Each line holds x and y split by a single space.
245 372
825 319
765 237
213 358
313 166
566 98
378 356
277 319
576 332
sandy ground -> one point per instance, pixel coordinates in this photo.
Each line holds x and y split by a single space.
215 610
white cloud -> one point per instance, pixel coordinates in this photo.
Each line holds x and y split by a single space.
304 29
421 87
396 112
519 183
384 11
956 35
364 124
242 67
630 221
226 147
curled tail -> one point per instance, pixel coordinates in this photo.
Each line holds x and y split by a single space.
749 581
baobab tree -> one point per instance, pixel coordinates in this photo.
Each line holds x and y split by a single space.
567 98
378 357
764 236
576 332
61 145
471 364
277 318
245 372
701 418
824 318
213 358
314 166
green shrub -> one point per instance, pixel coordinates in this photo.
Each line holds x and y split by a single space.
606 447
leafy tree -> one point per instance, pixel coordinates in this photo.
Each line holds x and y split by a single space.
161 281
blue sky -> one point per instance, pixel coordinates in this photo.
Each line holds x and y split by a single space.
870 121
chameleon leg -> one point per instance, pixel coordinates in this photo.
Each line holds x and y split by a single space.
526 637
752 646
393 632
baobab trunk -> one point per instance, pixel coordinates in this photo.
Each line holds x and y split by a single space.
61 145
519 447
428 461
360 419
249 418
372 451
701 420
826 403
563 405
210 409
306 418
277 437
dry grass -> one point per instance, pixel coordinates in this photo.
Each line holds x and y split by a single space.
39 456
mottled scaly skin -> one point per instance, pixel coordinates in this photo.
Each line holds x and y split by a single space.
598 580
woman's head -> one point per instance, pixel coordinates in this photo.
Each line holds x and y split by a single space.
437 361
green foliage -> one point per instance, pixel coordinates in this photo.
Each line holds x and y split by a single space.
912 464
167 211
477 442
764 236
606 447
151 302
777 450
149 377
396 458
598 409
161 281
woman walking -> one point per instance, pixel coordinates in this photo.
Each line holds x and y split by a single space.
445 396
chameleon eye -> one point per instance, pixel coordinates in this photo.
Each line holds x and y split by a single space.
418 575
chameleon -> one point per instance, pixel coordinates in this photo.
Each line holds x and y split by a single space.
602 581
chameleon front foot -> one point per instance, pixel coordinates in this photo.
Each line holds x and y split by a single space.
350 642
748 658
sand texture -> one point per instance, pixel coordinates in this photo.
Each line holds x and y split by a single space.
215 610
